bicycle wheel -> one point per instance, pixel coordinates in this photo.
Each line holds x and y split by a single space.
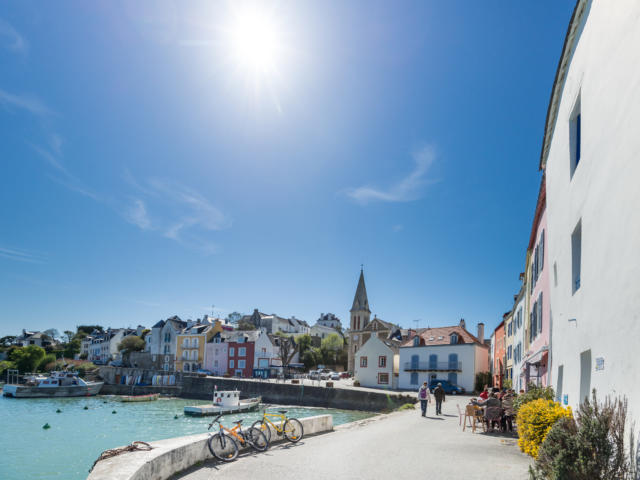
257 439
223 447
293 430
264 428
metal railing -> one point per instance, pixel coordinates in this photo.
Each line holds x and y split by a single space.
433 366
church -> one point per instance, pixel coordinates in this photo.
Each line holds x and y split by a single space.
362 327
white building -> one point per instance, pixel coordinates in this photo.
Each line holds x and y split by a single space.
443 353
104 345
377 362
161 342
591 159
323 331
266 353
329 320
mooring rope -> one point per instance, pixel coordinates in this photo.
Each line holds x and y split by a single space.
117 451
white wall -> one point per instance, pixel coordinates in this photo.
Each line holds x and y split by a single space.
474 359
605 194
373 349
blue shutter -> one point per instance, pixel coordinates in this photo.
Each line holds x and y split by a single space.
433 362
540 313
453 361
453 378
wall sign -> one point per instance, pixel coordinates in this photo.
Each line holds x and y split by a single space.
599 363
565 399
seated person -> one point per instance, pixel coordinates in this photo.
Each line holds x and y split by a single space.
509 413
485 393
492 405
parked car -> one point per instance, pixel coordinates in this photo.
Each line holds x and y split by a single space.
335 376
206 372
313 375
449 388
325 376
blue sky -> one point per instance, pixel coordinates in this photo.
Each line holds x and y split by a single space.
149 170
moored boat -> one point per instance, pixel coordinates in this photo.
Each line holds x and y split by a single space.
224 401
57 384
140 398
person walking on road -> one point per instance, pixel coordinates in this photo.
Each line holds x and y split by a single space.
425 398
438 394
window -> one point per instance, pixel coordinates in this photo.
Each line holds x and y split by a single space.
453 361
242 363
194 343
232 351
383 379
414 378
575 137
215 363
186 367
185 343
509 352
576 257
433 362
416 341
454 338
231 364
415 360
264 350
382 362
363 362
242 351
540 313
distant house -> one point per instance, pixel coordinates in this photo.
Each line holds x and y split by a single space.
448 353
216 355
323 331
241 352
498 349
104 345
377 363
162 342
329 320
27 338
191 342
273 323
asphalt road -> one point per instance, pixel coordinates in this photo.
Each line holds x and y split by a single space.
402 445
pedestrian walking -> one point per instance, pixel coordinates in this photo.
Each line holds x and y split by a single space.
425 398
438 394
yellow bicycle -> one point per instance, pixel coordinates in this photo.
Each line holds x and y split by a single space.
291 428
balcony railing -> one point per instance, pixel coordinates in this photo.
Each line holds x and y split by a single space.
433 366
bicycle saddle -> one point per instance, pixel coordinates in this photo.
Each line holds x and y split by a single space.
238 422
282 411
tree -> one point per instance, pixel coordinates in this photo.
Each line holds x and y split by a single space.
72 348
7 341
246 326
87 329
330 347
145 332
27 358
131 343
52 333
234 317
287 350
69 334
304 343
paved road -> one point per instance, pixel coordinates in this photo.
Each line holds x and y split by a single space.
402 445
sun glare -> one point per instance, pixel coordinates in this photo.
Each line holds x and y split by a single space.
254 41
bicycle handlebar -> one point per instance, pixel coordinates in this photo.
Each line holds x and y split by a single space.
215 420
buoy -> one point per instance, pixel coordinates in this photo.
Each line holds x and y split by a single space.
104 401
58 411
46 426
175 417
86 408
113 411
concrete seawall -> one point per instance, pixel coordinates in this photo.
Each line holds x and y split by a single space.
176 454
280 393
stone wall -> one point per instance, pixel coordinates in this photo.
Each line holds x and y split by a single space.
173 455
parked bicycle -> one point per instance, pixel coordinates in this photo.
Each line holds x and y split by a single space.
291 428
223 445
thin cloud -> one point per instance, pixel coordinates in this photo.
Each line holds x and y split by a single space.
176 212
24 101
405 190
11 39
20 255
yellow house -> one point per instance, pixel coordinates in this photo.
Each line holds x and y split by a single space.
191 345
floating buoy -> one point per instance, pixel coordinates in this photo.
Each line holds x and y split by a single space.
113 411
104 401
175 417
58 411
86 408
46 426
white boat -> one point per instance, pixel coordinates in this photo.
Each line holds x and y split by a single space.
224 401
58 384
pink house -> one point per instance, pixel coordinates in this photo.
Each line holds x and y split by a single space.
536 361
216 354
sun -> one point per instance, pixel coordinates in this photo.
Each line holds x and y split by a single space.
254 41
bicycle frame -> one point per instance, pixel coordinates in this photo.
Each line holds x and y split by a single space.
283 418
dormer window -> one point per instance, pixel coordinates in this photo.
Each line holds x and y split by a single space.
416 341
454 338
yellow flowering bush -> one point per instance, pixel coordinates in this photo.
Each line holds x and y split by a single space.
535 419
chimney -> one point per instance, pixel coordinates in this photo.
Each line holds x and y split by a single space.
190 323
481 332
462 323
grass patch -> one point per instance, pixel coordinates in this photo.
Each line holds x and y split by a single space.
407 406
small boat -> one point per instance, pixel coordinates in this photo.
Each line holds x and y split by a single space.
224 401
58 384
140 398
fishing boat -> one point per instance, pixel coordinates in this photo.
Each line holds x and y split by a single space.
57 384
224 401
140 398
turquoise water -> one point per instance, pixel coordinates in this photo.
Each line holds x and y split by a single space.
78 436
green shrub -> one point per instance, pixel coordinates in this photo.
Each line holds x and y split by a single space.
47 363
591 447
4 366
407 406
533 393
535 420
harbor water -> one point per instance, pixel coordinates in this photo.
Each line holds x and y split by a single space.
87 426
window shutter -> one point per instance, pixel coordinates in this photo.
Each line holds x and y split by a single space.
542 250
540 313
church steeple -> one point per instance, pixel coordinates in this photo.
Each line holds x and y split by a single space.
360 312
